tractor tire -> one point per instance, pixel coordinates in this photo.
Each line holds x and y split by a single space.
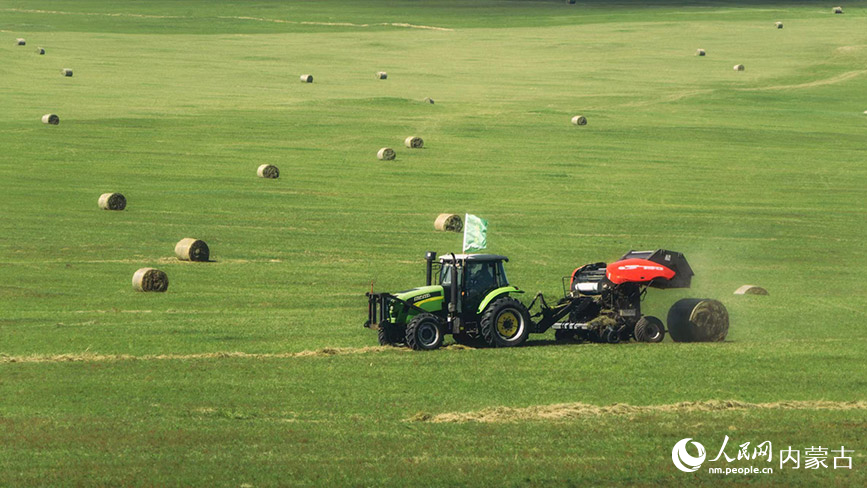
505 323
698 320
465 339
649 329
391 336
424 333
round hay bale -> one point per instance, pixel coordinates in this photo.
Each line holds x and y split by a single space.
40 50
429 100
739 67
112 201
414 142
751 290
700 52
190 249
20 42
838 10
150 279
268 171
449 223
579 120
385 154
66 72
779 25
52 119
698 320
306 78
571 2
381 75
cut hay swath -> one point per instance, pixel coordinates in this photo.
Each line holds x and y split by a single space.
429 100
306 78
700 52
385 154
150 279
52 119
381 75
112 201
414 142
779 25
66 72
698 320
739 67
190 249
268 171
449 223
579 120
751 290
20 42
40 50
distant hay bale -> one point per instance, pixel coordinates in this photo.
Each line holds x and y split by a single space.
20 42
150 279
700 52
190 249
66 72
381 75
40 50
268 171
779 25
414 142
112 201
571 2
52 119
306 78
385 154
838 10
579 120
449 223
751 290
698 320
429 100
739 67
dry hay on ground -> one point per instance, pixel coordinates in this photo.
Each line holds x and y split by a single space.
52 119
449 223
306 78
751 290
190 249
268 171
385 154
150 279
112 201
414 142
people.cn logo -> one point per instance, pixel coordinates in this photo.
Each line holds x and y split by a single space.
683 460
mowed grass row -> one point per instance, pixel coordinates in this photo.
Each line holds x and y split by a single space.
756 176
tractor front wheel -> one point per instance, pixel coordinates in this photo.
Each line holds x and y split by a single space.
505 323
649 329
391 335
423 333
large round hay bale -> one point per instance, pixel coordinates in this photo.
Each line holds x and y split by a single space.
698 320
779 25
112 201
700 52
190 249
20 42
381 75
751 290
739 67
306 78
150 279
40 50
66 72
579 120
268 171
571 2
385 154
429 100
414 142
449 223
52 119
838 10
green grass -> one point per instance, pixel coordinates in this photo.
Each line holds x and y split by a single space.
758 177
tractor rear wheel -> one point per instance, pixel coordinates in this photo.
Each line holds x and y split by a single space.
505 323
649 329
423 333
391 335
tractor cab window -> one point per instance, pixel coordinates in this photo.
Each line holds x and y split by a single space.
446 275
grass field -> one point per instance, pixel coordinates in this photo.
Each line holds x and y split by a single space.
757 177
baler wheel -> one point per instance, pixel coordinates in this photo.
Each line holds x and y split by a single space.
649 329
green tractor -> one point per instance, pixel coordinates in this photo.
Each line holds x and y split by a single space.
466 295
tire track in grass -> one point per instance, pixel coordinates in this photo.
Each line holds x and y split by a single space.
570 411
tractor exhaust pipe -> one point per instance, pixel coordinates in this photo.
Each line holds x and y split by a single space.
429 256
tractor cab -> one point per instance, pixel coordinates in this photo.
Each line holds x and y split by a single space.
476 276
